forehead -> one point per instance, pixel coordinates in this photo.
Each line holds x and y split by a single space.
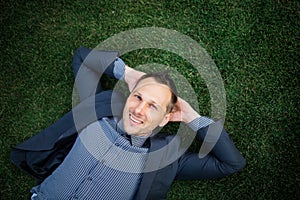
153 91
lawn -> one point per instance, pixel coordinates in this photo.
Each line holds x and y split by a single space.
254 44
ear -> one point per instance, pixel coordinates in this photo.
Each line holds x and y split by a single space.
165 120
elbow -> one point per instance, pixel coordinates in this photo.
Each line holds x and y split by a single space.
242 164
234 167
239 165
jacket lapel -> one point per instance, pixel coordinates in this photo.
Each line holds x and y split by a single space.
151 168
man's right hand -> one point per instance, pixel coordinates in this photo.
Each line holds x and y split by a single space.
132 76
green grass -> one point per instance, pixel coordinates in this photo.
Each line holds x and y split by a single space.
254 44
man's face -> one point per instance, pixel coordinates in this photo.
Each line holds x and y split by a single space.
146 108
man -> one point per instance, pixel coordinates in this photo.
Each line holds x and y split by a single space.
114 157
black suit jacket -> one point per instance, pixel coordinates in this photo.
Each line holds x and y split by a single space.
41 154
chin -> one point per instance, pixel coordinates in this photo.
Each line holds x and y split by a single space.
129 130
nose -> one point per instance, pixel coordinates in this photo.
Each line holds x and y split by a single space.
140 109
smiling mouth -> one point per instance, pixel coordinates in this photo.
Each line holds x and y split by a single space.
134 120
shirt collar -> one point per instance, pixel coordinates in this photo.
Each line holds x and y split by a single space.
138 141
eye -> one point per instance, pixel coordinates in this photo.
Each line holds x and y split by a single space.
138 97
153 106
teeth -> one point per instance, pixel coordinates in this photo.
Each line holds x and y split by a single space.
135 120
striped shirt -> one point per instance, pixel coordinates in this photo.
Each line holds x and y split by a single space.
101 165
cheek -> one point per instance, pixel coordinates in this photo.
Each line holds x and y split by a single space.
131 104
126 109
155 117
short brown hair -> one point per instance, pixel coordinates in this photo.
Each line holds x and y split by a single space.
165 79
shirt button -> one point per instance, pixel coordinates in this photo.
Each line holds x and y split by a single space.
90 178
117 144
75 197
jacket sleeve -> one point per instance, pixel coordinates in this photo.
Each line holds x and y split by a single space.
89 66
97 60
224 158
